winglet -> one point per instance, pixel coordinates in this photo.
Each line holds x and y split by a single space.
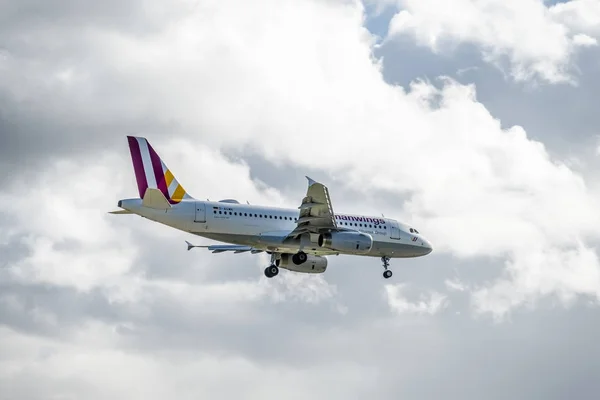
310 181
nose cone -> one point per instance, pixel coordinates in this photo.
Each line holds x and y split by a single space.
427 247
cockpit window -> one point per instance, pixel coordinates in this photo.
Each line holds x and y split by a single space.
412 230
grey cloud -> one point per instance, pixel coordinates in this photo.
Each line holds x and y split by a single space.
539 354
41 120
546 354
68 15
30 139
21 303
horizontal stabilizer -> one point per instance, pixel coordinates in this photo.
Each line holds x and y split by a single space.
220 248
154 198
120 212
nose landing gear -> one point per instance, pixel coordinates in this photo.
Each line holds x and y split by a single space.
386 263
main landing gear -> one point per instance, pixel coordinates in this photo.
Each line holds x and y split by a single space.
272 270
386 263
299 258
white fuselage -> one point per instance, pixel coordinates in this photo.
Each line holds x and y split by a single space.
266 227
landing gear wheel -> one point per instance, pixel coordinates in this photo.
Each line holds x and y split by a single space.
387 274
299 258
271 271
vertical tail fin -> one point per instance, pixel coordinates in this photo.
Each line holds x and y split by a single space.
151 171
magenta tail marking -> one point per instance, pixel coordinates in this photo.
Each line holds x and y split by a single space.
159 174
138 165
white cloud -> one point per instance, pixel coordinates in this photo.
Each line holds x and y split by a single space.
63 221
536 273
579 15
430 304
455 285
584 40
538 41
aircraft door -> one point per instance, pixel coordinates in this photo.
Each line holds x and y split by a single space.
394 230
200 213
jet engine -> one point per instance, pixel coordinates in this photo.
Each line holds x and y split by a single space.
349 242
312 265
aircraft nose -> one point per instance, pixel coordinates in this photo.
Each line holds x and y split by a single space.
427 246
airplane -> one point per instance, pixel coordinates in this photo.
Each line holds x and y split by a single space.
297 240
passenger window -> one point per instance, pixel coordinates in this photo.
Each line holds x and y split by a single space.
220 212
235 213
214 212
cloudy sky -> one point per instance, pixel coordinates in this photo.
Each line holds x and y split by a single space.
475 121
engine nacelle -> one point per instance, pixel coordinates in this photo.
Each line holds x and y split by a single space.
312 265
348 242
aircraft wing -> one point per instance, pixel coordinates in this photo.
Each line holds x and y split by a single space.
316 211
220 248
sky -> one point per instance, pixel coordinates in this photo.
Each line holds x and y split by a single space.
473 121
